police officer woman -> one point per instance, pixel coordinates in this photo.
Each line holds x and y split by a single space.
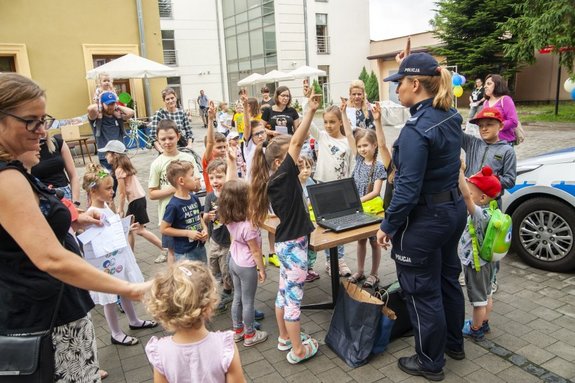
427 215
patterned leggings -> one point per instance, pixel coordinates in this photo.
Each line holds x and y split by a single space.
293 270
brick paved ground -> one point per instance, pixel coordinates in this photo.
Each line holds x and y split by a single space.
533 323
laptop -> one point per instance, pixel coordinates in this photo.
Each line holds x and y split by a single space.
336 206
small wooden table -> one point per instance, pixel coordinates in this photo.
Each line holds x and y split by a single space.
322 239
83 141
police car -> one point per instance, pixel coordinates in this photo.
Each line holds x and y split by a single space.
542 205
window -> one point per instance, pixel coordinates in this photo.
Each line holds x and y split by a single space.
322 38
165 7
169 46
7 64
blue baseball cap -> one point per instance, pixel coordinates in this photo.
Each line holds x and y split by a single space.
416 64
108 97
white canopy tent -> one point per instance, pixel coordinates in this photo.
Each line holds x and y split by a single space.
250 80
132 66
274 76
306 71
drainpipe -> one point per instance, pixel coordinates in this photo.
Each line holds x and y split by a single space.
305 31
143 52
221 53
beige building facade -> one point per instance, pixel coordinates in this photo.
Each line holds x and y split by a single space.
56 42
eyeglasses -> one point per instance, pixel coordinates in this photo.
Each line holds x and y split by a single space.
33 125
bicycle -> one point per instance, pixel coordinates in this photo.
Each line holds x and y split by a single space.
135 136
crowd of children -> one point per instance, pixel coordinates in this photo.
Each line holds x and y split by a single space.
250 169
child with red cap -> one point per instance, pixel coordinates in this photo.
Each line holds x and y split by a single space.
490 151
477 191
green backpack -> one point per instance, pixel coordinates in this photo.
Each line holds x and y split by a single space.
497 239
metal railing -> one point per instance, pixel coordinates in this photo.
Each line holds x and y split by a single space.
170 57
322 44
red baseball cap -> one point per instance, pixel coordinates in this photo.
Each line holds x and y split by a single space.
485 113
486 182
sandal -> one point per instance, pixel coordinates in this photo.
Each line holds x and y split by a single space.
371 281
126 341
145 324
311 347
285 344
356 277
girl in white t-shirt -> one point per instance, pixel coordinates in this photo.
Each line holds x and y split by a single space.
333 163
130 189
246 261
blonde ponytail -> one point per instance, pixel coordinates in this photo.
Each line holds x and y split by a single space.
444 96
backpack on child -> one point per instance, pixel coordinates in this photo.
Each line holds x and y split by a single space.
497 239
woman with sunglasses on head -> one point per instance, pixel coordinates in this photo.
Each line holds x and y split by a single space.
170 111
35 267
427 215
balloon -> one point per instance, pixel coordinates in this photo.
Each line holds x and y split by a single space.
458 91
124 98
456 79
569 85
573 94
463 79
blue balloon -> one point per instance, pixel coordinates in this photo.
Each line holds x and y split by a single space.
456 79
573 94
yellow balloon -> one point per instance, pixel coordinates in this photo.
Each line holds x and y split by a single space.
458 91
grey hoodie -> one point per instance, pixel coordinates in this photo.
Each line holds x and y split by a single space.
499 156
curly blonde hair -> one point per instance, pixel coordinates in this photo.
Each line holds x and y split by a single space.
94 176
183 296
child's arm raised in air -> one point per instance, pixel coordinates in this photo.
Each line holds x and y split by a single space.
382 148
210 139
465 193
347 127
247 115
302 132
232 168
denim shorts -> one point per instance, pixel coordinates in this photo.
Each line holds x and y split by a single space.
197 254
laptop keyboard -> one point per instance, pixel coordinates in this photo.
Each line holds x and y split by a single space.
350 219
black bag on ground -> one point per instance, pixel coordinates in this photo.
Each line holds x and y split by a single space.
29 358
354 324
396 302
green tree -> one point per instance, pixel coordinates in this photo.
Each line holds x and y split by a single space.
317 90
473 37
540 24
364 76
372 88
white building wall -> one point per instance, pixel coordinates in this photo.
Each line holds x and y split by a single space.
195 24
348 31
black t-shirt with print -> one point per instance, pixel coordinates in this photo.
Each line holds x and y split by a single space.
283 121
286 197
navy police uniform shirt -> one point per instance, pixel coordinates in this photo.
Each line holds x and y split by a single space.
427 158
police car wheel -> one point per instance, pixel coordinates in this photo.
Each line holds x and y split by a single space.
543 234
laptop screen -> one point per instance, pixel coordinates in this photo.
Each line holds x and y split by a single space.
335 198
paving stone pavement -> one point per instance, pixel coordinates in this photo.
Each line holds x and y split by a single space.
533 322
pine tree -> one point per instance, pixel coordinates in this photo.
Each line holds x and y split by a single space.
473 36
363 76
372 88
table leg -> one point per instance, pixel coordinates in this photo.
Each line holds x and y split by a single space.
88 150
82 152
334 265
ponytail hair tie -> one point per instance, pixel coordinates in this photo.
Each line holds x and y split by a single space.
438 69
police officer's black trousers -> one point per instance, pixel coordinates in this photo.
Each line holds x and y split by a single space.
428 267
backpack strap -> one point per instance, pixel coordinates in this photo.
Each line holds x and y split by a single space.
474 245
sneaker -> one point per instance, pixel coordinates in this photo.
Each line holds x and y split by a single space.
494 287
255 338
311 276
469 332
344 270
163 257
259 315
485 327
273 259
238 334
225 300
257 325
461 279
